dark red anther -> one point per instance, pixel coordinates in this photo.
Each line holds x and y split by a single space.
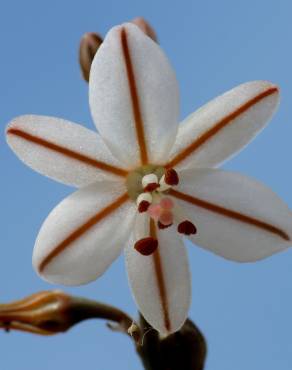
143 206
187 228
146 246
162 226
151 187
171 177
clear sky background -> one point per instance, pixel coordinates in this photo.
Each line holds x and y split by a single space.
245 311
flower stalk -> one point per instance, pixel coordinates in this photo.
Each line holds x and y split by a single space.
54 312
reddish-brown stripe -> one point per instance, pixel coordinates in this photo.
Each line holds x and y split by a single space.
229 213
209 134
81 230
67 152
160 278
139 125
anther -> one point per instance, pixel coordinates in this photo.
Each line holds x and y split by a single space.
151 187
143 202
171 177
143 206
146 246
187 228
162 226
150 182
163 186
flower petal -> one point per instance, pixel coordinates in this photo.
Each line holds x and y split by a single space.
160 282
64 151
84 234
133 96
224 126
236 217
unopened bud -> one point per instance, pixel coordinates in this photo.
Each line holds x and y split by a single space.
89 45
42 313
53 312
91 41
145 27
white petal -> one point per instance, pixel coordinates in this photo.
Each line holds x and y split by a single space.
64 151
166 312
225 125
123 104
261 226
84 234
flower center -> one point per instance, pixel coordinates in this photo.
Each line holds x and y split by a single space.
134 183
148 186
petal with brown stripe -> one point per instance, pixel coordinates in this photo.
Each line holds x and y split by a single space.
84 234
224 126
160 282
236 217
133 96
62 150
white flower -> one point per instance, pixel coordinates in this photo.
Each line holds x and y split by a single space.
145 180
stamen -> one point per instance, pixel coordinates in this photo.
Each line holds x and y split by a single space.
146 246
151 178
143 206
143 202
166 217
187 227
163 185
171 177
151 187
162 226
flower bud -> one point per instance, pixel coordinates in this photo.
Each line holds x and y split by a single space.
41 313
145 27
91 41
89 45
53 312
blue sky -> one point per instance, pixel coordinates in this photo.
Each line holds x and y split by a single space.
243 310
